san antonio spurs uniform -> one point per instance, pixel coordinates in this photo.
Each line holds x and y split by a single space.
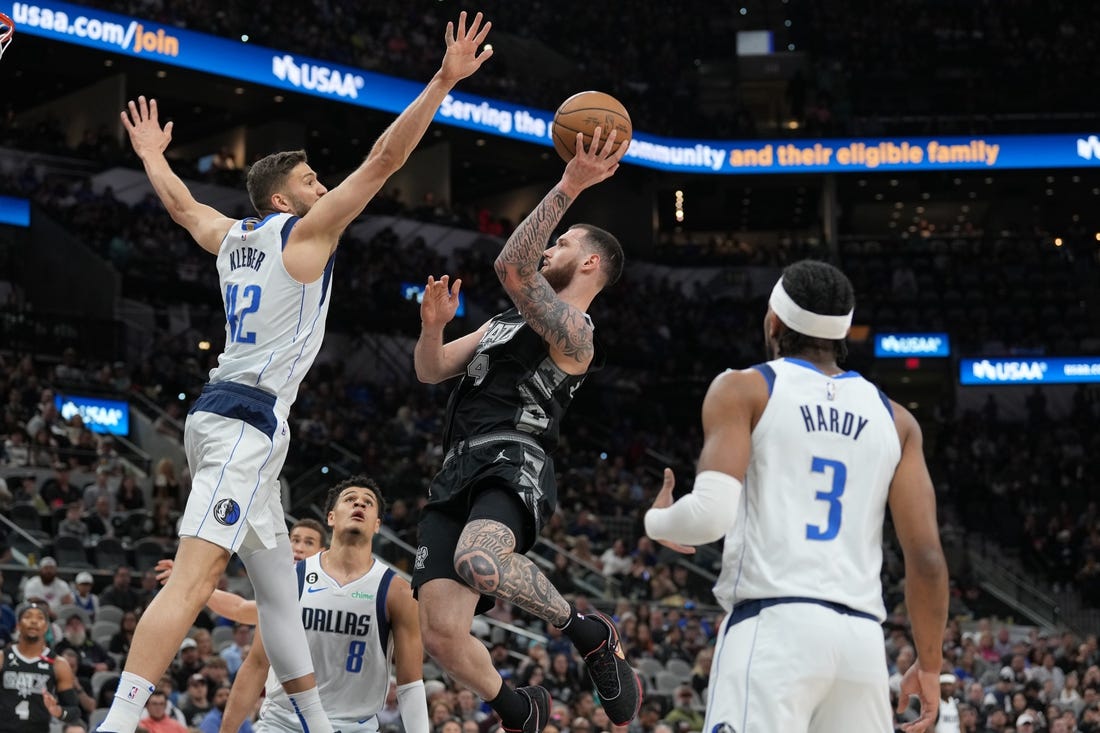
349 639
800 571
21 707
236 436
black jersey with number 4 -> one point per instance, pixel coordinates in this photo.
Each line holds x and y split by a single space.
512 384
21 707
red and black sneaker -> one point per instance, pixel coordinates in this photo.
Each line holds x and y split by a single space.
619 687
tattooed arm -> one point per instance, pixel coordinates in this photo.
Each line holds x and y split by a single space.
563 326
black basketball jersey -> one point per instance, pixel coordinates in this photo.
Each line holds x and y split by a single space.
512 384
21 707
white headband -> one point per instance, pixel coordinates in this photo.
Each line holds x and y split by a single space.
803 321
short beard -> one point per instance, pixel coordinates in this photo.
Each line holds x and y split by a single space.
559 280
297 208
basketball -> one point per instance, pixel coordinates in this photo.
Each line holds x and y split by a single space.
584 112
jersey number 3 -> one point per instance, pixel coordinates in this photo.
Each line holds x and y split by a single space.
831 497
235 317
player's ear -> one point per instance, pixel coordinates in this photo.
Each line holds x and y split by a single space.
331 519
280 203
591 261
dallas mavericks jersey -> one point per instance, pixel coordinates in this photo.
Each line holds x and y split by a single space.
348 631
21 693
274 324
810 520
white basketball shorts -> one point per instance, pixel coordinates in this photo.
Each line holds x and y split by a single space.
236 446
277 719
799 667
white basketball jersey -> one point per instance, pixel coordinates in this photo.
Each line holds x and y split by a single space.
348 631
274 324
810 521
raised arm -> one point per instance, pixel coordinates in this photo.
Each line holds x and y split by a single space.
912 502
206 225
408 651
564 327
321 228
225 604
433 360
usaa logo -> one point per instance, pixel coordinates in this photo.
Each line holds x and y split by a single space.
227 512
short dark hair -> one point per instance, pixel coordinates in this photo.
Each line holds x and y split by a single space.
360 482
310 523
819 288
268 174
608 248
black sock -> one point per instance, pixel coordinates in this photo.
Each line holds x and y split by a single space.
585 632
512 707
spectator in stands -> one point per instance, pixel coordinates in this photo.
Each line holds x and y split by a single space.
683 710
212 721
93 657
119 592
166 486
83 597
73 524
156 719
59 491
100 487
194 702
47 588
101 521
17 452
235 653
129 495
615 560
28 493
168 422
44 449
186 664
120 642
150 587
205 642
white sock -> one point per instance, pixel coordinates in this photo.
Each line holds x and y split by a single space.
129 703
307 705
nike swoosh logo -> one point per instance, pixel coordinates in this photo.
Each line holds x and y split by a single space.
315 590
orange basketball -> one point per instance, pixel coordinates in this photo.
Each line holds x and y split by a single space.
584 112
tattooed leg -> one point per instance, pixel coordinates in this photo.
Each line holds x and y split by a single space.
486 559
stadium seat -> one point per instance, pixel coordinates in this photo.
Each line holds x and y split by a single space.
25 516
97 716
109 553
102 631
147 553
222 637
98 680
69 552
680 668
109 613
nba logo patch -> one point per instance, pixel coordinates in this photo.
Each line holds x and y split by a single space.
227 512
132 694
421 557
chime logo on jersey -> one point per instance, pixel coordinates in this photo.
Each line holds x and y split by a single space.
227 512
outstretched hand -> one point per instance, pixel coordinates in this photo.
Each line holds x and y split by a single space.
440 301
594 164
926 685
52 706
663 501
143 126
164 570
462 58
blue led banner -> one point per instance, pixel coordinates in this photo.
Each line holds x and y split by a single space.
15 212
246 62
912 344
1063 370
100 415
